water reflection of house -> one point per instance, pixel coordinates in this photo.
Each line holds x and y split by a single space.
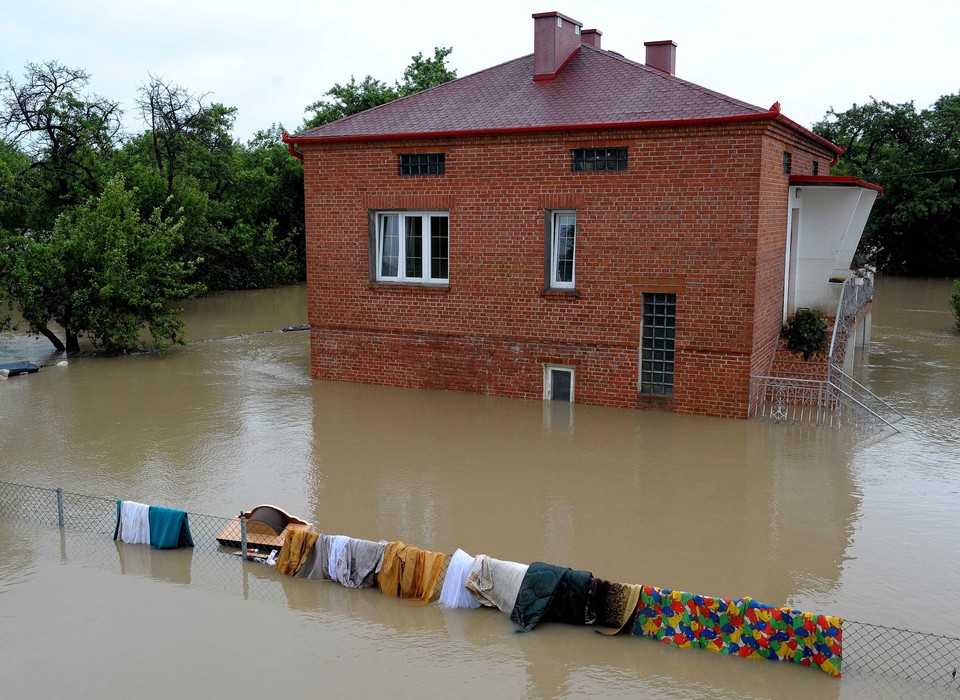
569 225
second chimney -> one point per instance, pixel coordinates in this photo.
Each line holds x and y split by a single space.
591 37
662 55
556 38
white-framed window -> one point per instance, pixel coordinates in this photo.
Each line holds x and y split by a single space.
412 246
561 242
558 383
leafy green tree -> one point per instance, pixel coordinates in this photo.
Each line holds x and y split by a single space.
65 135
916 157
105 273
422 73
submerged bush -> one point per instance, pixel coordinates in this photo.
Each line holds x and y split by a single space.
806 332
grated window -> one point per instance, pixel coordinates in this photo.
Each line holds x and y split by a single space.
422 163
657 344
594 159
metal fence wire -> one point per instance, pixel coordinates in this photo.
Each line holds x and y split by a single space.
868 649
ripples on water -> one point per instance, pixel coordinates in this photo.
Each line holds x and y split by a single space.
815 518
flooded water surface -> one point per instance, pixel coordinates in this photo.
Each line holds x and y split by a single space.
855 524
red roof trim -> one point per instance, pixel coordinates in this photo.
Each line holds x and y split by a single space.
290 147
758 116
772 113
806 132
834 180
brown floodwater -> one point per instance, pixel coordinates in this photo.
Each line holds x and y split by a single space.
861 525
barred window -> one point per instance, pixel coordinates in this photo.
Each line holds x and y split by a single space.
816 168
422 163
657 344
787 162
593 159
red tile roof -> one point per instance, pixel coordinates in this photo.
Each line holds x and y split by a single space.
596 89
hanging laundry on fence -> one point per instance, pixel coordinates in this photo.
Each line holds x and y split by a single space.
162 528
611 604
358 562
409 572
551 594
297 545
454 593
169 528
495 583
741 626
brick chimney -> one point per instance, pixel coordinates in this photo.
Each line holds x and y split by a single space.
591 37
556 38
662 55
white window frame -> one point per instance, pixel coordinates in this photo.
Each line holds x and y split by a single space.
555 216
548 380
425 251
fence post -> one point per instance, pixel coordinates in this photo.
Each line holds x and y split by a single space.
60 506
243 536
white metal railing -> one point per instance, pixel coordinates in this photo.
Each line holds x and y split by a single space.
839 399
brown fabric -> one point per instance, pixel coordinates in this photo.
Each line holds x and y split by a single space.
409 572
611 604
297 545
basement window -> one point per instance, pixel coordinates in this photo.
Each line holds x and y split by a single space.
595 159
423 163
657 344
557 383
787 162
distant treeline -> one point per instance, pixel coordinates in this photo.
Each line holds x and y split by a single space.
915 155
99 229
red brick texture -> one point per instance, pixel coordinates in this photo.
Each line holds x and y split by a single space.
700 212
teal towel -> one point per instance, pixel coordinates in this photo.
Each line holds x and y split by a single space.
169 528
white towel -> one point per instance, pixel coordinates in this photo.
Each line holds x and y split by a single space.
337 545
496 583
454 594
134 523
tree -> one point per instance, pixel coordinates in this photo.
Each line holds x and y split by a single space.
916 157
64 134
104 272
174 116
422 73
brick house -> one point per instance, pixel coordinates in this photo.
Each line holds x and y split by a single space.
568 225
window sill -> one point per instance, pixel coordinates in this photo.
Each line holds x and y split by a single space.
409 287
550 293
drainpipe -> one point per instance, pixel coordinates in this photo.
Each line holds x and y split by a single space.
291 147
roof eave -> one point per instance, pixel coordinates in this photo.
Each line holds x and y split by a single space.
834 181
757 116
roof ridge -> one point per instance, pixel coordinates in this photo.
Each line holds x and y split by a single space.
669 76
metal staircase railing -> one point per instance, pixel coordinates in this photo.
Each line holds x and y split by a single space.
840 399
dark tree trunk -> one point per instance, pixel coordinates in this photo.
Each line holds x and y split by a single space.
73 342
52 337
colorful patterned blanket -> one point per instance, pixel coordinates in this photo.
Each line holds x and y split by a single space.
741 626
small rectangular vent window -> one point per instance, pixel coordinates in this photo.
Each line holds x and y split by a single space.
422 163
816 168
787 162
593 159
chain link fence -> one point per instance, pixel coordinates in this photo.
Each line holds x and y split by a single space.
869 650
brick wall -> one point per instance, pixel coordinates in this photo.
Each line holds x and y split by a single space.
700 213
